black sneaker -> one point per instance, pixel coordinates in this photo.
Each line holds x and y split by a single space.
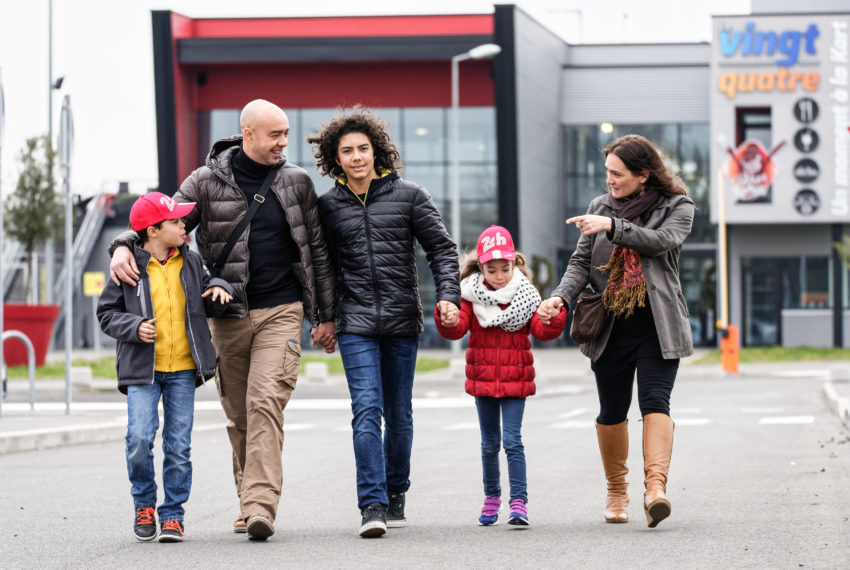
374 521
171 531
145 525
395 510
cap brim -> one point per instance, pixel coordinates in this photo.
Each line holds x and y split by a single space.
181 210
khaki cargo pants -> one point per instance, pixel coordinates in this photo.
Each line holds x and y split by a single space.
258 359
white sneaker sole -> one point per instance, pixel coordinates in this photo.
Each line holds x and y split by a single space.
373 529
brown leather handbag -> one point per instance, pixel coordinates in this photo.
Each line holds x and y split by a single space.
589 317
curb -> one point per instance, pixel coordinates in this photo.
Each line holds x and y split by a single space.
32 440
839 404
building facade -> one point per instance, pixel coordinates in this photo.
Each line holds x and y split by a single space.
533 122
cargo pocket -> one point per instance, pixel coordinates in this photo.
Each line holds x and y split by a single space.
291 362
219 385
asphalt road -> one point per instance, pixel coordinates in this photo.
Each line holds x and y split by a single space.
760 478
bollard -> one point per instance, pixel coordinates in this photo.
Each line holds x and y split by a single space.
30 360
729 349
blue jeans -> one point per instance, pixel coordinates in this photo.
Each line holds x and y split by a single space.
380 380
509 411
178 401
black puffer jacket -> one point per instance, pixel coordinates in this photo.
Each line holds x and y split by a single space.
372 246
220 204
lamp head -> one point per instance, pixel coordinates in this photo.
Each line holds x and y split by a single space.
485 51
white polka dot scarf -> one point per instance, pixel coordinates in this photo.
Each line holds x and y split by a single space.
519 294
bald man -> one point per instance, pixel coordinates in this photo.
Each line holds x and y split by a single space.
281 274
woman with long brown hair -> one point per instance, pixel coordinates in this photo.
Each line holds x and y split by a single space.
631 238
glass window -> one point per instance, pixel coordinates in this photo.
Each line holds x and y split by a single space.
754 124
223 123
477 134
775 283
423 135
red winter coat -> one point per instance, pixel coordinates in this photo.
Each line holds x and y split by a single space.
499 364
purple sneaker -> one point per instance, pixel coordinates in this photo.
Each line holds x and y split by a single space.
490 511
519 513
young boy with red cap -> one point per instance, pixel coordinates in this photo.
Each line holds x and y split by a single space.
498 304
164 351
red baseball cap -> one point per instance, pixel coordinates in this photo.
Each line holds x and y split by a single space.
154 207
495 243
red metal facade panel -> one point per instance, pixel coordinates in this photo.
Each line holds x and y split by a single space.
344 27
185 103
332 84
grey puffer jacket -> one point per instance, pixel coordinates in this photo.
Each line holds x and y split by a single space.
122 309
659 243
220 204
373 248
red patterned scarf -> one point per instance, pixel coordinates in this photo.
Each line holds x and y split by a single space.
626 287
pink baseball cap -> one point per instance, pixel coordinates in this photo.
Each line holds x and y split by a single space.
495 243
154 207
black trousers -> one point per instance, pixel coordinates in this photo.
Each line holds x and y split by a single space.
633 346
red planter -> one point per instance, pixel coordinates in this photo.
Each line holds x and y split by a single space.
35 321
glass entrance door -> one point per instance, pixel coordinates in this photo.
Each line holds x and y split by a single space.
762 302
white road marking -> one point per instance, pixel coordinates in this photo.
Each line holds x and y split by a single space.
787 420
573 425
692 422
818 373
572 413
762 410
461 426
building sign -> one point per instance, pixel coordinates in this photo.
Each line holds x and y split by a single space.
779 118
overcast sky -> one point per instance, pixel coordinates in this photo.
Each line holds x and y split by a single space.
103 49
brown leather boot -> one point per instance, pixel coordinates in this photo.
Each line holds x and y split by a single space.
657 448
614 448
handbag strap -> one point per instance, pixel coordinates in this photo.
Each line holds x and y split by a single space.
258 200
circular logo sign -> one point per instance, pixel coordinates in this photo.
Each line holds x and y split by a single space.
806 170
806 110
806 140
807 201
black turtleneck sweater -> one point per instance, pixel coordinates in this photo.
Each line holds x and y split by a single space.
271 248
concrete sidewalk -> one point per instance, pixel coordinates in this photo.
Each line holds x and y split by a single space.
98 410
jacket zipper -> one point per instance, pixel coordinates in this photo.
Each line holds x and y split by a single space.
367 226
189 323
143 297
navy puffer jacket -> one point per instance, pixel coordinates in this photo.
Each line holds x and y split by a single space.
373 251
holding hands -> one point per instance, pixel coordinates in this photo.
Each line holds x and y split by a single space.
449 314
549 308
323 335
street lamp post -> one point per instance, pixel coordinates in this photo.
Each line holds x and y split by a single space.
66 148
484 51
